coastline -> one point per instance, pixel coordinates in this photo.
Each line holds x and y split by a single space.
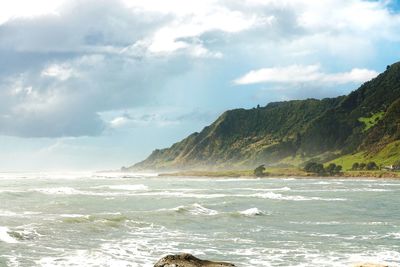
282 173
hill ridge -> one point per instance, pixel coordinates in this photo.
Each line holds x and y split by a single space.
292 132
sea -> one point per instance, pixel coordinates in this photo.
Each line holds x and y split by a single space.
120 219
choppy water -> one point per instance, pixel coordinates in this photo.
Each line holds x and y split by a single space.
115 220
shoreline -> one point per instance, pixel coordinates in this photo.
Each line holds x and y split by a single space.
283 173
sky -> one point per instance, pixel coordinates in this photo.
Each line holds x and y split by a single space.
99 84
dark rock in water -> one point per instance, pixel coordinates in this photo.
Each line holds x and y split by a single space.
188 260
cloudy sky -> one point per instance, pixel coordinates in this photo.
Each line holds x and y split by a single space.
98 84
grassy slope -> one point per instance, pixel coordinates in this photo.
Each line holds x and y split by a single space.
387 156
371 121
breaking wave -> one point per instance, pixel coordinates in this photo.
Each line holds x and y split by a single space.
195 209
5 236
251 212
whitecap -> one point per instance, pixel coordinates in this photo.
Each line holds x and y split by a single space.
318 223
5 236
72 215
259 189
6 213
182 195
58 191
195 209
275 196
200 210
394 235
251 212
129 187
73 191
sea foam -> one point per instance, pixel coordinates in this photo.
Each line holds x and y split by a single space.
5 236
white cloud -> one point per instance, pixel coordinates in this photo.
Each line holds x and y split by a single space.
172 36
304 73
355 75
62 72
119 122
22 8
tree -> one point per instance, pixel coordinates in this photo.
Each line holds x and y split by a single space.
259 171
338 169
372 166
362 166
315 168
355 166
310 166
331 168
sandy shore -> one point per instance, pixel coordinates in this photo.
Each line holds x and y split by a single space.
283 172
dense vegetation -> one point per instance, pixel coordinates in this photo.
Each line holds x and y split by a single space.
363 126
318 168
260 171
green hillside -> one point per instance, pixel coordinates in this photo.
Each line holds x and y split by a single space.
365 123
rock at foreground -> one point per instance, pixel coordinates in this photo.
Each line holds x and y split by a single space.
188 260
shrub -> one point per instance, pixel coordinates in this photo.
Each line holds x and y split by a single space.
314 167
318 168
338 169
372 166
331 168
259 171
355 166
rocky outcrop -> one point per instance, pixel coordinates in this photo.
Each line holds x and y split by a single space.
188 260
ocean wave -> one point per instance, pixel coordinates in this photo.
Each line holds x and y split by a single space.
259 256
393 235
124 175
318 223
85 258
7 213
112 219
195 209
25 232
182 194
6 237
10 191
58 191
137 190
345 190
73 191
258 189
275 196
338 223
68 215
125 187
327 183
251 212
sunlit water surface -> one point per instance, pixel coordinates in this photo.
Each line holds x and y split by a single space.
133 220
